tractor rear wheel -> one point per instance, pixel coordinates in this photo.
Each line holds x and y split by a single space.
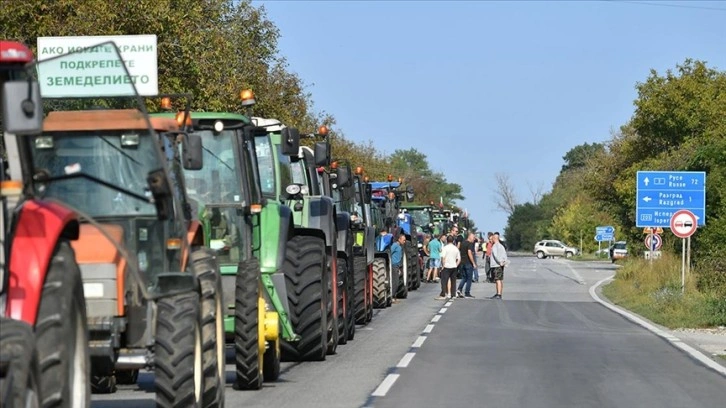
360 272
403 281
415 271
249 363
342 283
179 377
17 349
332 316
206 270
61 331
380 291
306 278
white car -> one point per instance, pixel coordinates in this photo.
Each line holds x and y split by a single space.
551 248
619 250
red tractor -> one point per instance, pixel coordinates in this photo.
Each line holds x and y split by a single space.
44 358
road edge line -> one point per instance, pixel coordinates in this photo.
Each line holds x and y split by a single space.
673 340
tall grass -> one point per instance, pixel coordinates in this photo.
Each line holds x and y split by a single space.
653 290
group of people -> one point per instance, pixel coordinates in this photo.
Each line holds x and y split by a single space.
452 255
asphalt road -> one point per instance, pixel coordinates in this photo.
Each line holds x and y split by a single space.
546 344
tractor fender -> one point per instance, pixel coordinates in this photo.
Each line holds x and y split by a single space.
345 236
322 216
38 227
383 242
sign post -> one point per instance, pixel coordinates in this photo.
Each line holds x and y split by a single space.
683 224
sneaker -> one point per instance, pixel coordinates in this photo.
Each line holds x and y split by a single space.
469 296
440 298
497 296
459 294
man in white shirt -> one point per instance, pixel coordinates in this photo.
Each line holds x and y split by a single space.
498 262
450 259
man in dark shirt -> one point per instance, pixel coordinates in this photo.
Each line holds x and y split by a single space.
397 264
468 263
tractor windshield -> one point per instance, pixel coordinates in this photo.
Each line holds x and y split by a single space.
119 159
421 217
218 180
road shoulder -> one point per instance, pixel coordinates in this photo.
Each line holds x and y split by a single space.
695 344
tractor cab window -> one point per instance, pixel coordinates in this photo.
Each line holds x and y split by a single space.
266 164
65 165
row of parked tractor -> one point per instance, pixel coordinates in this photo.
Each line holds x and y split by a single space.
135 241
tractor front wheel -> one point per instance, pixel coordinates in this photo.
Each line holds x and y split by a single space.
249 362
380 286
22 378
61 333
178 352
207 272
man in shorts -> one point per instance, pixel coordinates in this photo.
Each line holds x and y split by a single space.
498 261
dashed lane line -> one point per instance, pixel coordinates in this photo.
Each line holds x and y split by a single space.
419 342
406 360
390 379
386 385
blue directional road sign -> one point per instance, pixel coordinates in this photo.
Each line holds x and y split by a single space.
606 233
661 193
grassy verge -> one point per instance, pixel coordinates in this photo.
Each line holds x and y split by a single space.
590 257
654 291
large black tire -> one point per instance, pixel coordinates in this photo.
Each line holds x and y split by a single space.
360 304
61 332
22 379
271 362
342 300
332 317
178 352
415 271
349 299
207 272
249 363
402 290
306 278
380 285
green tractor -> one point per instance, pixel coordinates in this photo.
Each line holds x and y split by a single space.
311 260
247 232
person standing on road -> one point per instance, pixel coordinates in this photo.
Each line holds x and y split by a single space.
434 249
488 256
498 262
468 263
450 259
474 245
396 264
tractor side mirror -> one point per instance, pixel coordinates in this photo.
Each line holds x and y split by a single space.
161 191
192 152
409 194
343 179
322 154
367 193
22 110
290 142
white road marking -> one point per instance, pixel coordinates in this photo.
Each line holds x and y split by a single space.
443 310
675 341
449 303
436 318
428 328
405 360
419 341
574 272
386 385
